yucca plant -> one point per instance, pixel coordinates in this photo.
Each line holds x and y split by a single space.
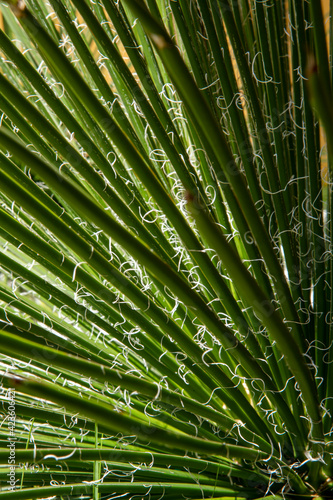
166 259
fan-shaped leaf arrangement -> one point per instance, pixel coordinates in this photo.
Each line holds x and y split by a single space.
165 249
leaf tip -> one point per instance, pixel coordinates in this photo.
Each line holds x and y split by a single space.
18 7
160 41
312 66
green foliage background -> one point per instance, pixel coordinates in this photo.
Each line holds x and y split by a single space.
165 249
